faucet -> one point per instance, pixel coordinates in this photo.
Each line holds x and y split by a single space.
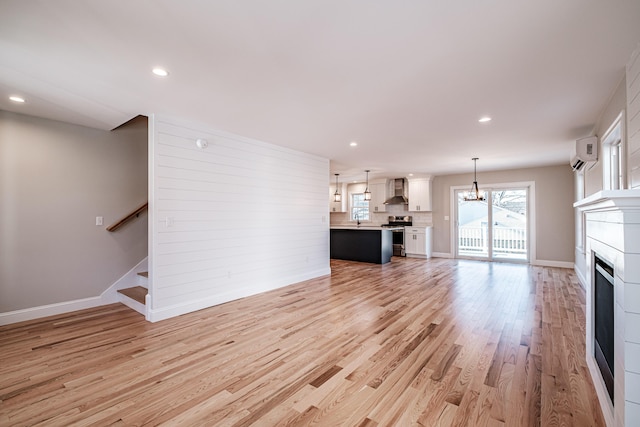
357 220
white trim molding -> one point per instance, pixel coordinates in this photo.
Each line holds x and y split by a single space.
49 310
109 296
581 278
549 263
442 255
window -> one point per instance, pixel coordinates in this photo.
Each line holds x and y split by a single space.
580 219
613 156
359 207
617 182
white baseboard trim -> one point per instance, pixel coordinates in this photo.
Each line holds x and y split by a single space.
49 310
547 263
109 296
601 391
539 262
417 256
155 315
581 278
442 255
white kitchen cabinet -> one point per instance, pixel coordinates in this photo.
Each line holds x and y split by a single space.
340 206
418 242
379 193
420 195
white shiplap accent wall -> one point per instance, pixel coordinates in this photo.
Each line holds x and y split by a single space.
237 218
612 228
633 118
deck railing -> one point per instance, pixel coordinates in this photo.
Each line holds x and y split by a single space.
506 240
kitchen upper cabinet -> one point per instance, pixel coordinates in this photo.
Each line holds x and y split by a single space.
417 242
340 206
379 193
419 194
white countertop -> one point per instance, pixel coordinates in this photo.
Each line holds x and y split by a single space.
373 227
363 227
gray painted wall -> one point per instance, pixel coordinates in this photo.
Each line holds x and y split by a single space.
55 178
554 208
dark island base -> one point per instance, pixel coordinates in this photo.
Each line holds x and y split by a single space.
375 246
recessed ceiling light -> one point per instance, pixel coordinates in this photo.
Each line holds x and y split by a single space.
353 143
160 72
485 119
17 99
410 174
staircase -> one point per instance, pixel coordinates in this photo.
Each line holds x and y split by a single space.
135 297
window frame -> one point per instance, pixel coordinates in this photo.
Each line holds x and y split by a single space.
355 208
614 173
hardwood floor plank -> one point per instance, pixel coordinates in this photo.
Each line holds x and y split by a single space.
433 400
445 417
463 416
468 368
413 342
503 393
498 357
446 362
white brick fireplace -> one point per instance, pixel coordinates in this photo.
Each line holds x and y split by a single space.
612 228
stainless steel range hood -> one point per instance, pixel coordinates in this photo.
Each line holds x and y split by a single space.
399 193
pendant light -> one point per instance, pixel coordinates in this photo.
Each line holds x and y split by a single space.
367 193
474 194
337 197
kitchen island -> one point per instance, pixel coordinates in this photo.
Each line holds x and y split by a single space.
364 244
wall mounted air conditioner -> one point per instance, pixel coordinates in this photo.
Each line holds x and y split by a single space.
586 151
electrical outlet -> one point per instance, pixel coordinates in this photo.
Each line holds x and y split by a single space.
99 220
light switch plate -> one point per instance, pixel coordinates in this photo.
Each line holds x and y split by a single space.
99 220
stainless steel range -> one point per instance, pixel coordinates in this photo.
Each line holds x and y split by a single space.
397 224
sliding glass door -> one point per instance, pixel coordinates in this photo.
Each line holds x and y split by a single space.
473 227
494 229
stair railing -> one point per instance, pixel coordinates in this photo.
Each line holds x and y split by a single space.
129 217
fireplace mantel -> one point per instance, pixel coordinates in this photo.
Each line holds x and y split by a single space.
612 229
608 199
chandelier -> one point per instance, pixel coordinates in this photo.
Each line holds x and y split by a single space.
474 194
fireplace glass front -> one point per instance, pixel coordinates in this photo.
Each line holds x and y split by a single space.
603 322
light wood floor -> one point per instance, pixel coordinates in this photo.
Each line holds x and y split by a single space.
413 342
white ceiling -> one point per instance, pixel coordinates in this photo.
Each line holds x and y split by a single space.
408 80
